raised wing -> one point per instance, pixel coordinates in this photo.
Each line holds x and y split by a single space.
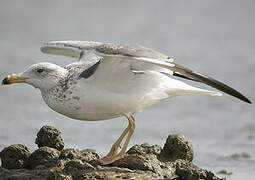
88 51
117 59
72 49
178 70
76 49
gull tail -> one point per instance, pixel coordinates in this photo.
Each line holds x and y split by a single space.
179 88
210 93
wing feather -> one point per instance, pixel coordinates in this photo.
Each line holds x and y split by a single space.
136 57
195 76
72 49
188 74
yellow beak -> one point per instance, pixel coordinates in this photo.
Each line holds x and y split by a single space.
14 78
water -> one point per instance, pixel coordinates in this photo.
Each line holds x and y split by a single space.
215 37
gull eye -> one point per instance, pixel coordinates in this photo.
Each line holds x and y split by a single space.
39 70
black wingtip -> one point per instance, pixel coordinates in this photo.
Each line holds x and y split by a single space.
247 100
192 75
241 97
220 86
238 95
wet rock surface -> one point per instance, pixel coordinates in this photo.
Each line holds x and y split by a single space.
51 161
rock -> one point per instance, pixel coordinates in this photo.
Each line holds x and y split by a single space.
145 157
147 163
117 173
14 156
25 174
173 162
189 171
78 164
50 137
87 155
43 156
55 175
177 147
145 149
76 168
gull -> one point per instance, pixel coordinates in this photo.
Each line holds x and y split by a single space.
112 80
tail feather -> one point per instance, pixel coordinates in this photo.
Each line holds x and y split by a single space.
197 91
179 88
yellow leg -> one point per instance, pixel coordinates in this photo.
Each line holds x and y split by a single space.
117 144
130 134
113 155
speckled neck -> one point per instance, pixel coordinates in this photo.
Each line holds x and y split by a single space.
63 88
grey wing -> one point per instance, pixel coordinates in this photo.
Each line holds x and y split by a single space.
85 52
169 64
74 49
129 51
77 49
120 59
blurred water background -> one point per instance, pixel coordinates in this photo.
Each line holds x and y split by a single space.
215 37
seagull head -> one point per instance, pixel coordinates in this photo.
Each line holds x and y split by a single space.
41 75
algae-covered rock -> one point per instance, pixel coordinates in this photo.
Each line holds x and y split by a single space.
145 157
14 156
52 162
144 149
77 168
49 136
111 173
87 155
177 147
25 174
187 170
43 156
78 164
